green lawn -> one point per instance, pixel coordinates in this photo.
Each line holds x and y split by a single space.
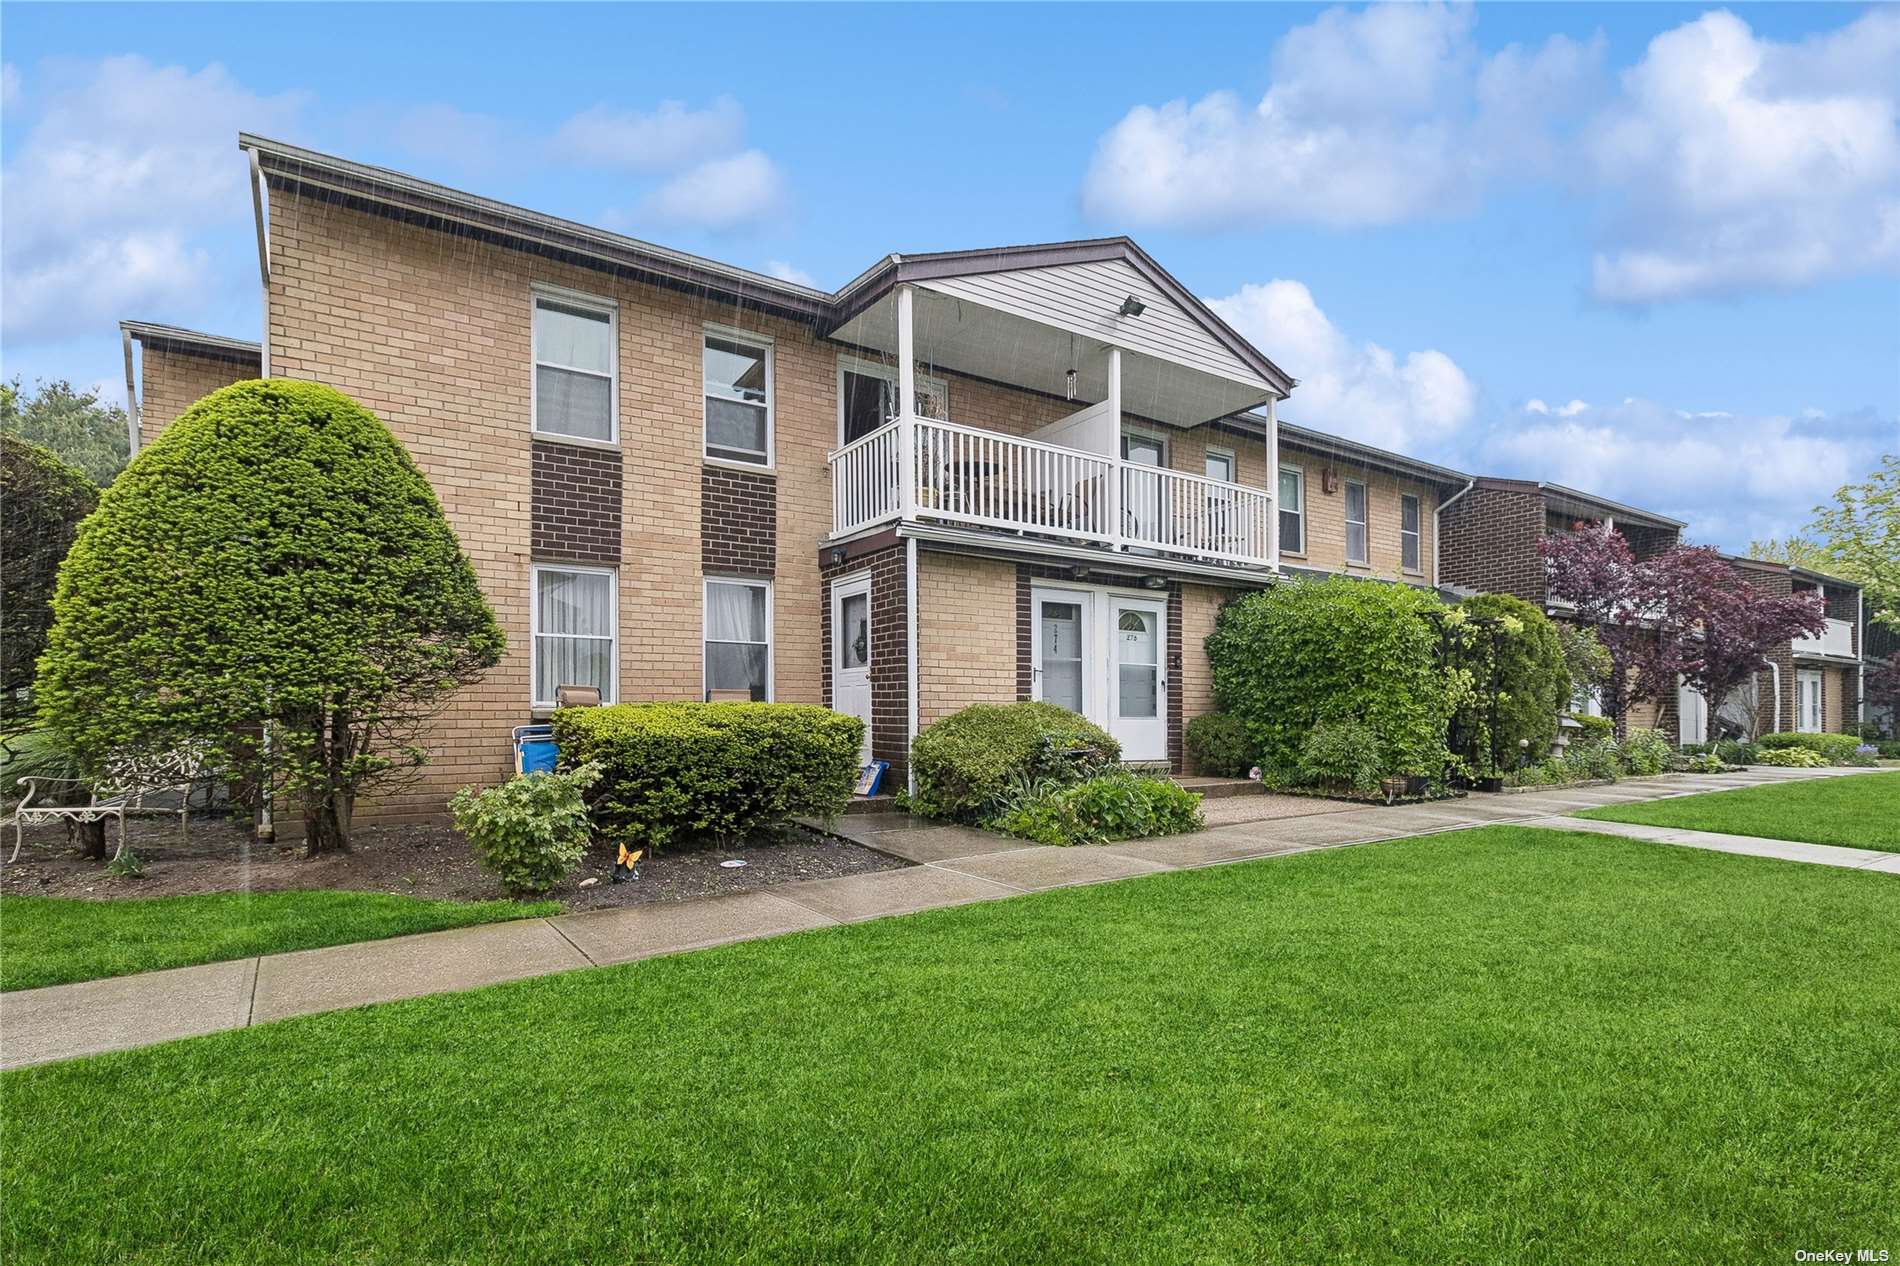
52 940
1504 1045
1862 811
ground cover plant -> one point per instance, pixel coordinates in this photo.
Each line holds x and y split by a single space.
1858 810
1500 1045
54 940
1116 804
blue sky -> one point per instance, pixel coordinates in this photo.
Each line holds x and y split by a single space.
1649 250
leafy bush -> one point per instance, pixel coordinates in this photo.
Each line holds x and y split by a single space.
1834 749
964 763
1791 757
42 501
1594 728
530 831
1122 805
1705 763
1646 752
274 563
1341 754
1219 744
1865 755
1889 750
674 770
1299 654
1593 759
1514 680
38 754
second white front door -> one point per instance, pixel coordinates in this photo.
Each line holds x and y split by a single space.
851 654
1104 654
1807 683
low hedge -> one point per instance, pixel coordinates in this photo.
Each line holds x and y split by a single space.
964 763
1219 744
1836 749
1122 805
675 770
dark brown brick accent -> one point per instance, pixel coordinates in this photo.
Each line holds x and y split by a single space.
1025 636
1488 540
574 503
738 522
890 649
1773 578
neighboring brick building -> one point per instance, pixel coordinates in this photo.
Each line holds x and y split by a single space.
175 368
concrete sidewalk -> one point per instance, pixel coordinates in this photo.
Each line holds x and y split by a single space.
952 865
1747 845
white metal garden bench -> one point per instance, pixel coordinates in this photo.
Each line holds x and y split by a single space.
127 786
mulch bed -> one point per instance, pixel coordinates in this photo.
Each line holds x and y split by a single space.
417 861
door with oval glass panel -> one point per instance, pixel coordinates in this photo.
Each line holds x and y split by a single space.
851 653
1138 677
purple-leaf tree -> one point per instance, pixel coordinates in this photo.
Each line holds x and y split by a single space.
1725 626
1625 601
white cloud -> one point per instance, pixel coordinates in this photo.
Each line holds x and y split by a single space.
1355 389
9 85
1373 117
666 138
1721 162
107 198
1736 163
788 272
1732 477
721 194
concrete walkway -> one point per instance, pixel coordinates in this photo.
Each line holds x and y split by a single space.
1747 845
953 865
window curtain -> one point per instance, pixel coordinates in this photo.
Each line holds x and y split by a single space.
574 646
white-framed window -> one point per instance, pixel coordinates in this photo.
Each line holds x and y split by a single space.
576 374
867 397
739 637
574 621
1221 465
1144 449
1292 510
1355 522
737 369
1408 532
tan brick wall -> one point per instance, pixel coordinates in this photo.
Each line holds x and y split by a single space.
1833 691
171 382
1326 520
966 632
1200 604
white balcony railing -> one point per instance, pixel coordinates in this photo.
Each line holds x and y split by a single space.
1836 639
920 469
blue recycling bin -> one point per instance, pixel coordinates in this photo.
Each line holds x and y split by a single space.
535 752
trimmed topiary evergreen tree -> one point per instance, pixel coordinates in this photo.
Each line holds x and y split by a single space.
273 567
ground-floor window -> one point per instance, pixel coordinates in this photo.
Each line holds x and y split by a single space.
739 639
574 629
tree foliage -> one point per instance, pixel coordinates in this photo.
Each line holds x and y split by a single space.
1518 681
1728 625
1593 568
91 435
1860 539
42 500
274 564
1302 654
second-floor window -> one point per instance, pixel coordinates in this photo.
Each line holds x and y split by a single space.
1292 510
1355 522
738 377
1408 532
574 368
1220 465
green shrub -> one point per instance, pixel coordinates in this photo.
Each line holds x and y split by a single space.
1341 754
1646 752
1833 749
1594 728
1219 744
1735 752
1306 652
42 502
1888 750
1599 759
274 562
670 771
38 754
1705 763
965 763
1791 757
1518 680
1122 805
530 831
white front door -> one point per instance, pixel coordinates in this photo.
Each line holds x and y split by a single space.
1692 715
851 653
1104 655
1807 711
1138 681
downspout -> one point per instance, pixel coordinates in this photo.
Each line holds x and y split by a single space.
263 257
910 657
1775 668
1438 540
131 397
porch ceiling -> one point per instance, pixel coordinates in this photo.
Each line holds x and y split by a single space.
965 336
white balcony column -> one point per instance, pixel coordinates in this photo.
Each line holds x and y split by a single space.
1117 471
906 402
1273 484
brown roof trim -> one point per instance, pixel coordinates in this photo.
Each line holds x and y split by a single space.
173 338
